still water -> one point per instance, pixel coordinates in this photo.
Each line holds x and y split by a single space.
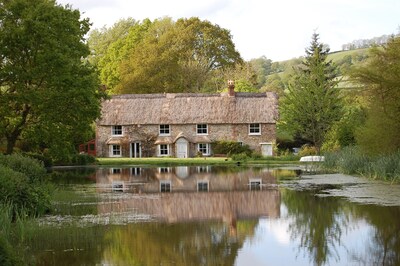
213 215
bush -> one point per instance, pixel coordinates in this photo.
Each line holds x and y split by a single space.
31 168
307 150
23 185
83 159
230 148
240 157
46 160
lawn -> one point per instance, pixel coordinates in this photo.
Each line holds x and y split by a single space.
191 161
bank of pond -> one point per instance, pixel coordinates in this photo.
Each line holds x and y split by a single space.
204 215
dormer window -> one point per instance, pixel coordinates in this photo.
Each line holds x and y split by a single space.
164 130
254 129
116 130
202 129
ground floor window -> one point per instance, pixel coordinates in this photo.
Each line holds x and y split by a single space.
204 148
163 150
165 186
115 151
202 186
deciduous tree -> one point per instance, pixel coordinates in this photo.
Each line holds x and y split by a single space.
380 78
48 95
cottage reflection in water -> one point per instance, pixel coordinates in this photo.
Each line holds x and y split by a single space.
178 194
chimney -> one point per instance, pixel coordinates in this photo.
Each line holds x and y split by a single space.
231 88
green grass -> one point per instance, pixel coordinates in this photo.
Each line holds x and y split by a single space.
164 161
340 55
192 161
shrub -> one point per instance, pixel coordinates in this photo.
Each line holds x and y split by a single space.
230 148
307 150
31 168
83 159
46 160
240 157
23 185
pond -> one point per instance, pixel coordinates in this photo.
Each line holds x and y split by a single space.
217 215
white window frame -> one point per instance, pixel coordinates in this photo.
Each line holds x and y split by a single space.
167 148
252 127
114 130
207 148
200 127
164 128
201 182
113 149
165 182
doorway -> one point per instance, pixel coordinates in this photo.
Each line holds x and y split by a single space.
182 148
136 150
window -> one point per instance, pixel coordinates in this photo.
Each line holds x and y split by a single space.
202 129
116 130
165 186
115 150
135 171
202 186
255 184
163 150
164 130
204 148
115 170
162 170
117 186
254 129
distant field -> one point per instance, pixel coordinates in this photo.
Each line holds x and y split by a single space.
336 56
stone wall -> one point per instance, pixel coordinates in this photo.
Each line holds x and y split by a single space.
149 133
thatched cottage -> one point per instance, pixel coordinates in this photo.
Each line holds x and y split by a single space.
184 125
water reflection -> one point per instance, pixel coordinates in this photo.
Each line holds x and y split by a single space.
184 179
217 216
195 193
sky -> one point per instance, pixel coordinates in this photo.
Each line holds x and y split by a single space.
278 30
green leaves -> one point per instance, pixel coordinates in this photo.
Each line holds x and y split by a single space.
380 78
312 104
164 56
47 92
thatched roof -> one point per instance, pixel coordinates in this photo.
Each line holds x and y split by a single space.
189 108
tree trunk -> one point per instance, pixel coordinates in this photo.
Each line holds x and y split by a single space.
11 140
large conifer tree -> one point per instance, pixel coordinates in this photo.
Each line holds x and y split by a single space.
312 104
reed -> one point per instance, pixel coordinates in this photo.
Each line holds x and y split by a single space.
352 161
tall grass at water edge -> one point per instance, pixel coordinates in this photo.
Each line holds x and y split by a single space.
352 161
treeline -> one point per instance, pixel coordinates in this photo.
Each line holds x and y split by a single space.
367 43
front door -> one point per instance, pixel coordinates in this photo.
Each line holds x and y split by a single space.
136 150
266 149
182 148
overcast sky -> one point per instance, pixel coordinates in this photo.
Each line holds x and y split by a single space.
279 29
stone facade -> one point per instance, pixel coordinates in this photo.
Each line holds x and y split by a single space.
216 132
184 124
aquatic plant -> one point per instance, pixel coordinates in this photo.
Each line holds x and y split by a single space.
351 160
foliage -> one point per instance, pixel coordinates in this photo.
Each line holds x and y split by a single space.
307 150
352 160
166 56
380 78
23 185
240 156
48 95
312 104
230 148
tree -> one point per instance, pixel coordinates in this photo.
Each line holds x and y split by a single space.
167 56
380 78
48 95
313 104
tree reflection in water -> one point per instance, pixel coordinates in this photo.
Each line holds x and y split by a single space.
317 222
